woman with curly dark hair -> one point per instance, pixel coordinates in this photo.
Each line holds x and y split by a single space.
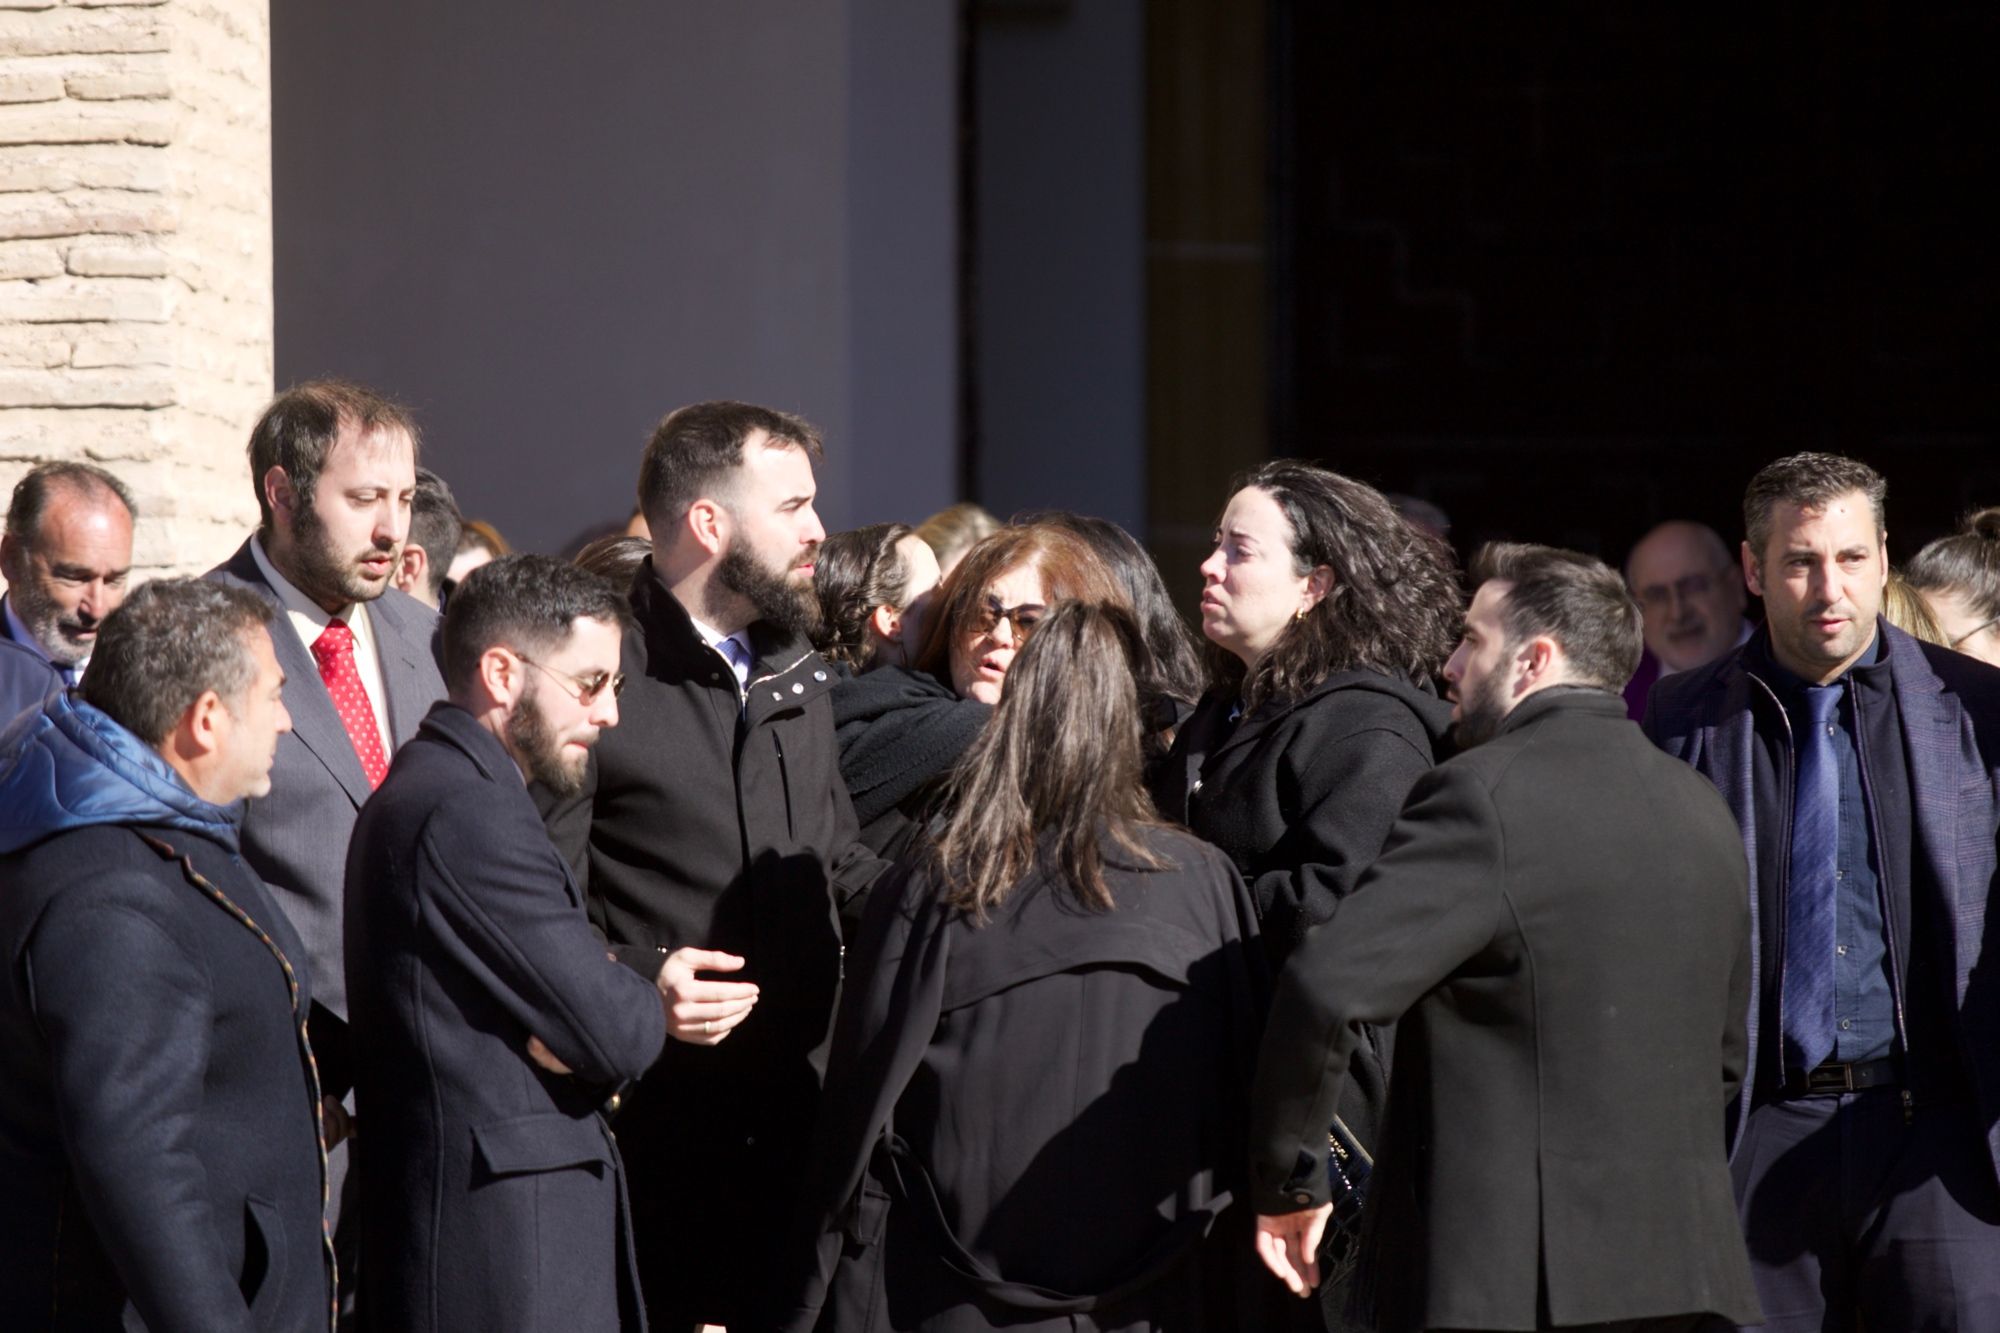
1329 619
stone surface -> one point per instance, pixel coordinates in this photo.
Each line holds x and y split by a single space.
135 255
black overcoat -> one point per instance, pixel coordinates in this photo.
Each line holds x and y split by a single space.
491 1190
719 820
1069 1083
1559 923
1300 796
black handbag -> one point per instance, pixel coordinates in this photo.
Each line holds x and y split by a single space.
1348 1166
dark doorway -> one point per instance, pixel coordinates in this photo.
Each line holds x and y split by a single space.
1570 271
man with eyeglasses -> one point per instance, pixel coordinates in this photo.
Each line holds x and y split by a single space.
1691 599
493 1031
716 841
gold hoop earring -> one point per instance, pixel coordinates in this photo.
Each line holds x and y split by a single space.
1300 614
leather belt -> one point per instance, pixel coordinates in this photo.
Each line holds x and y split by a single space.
1856 1077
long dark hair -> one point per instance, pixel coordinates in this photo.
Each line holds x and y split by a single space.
1171 670
854 573
1396 606
1055 774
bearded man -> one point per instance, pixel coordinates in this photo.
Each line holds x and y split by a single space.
713 835
1557 926
335 467
492 1031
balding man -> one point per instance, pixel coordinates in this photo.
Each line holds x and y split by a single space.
66 556
1691 596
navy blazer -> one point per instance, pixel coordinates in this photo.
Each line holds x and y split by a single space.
492 1194
1950 715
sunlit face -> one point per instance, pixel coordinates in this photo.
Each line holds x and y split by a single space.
983 649
1965 629
1690 593
1483 670
567 703
772 508
1821 576
921 578
72 574
1251 587
254 721
343 544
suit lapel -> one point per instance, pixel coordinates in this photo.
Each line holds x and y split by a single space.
400 669
1936 733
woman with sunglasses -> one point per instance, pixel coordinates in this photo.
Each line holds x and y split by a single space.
1033 1113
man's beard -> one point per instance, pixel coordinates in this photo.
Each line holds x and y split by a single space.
55 632
321 573
789 606
539 749
1480 713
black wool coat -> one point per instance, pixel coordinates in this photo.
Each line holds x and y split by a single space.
160 1161
1065 1088
1300 797
1559 924
492 1194
900 732
719 820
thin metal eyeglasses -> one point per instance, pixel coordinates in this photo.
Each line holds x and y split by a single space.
1983 625
587 688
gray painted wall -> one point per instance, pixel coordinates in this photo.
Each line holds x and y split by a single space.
543 226
1061 269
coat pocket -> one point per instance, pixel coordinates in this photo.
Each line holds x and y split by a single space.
263 1280
541 1142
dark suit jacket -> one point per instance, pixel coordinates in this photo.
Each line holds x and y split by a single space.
1949 707
1558 920
159 1141
296 838
704 825
26 676
491 1190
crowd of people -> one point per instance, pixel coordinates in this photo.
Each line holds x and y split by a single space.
920 927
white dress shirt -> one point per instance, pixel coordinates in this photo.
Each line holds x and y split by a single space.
308 621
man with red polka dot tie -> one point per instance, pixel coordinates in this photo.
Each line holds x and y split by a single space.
335 468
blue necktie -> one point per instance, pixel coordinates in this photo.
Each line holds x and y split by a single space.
1809 896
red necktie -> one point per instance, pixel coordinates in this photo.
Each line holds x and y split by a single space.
334 651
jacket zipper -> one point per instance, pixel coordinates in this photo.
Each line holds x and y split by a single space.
1883 887
1788 780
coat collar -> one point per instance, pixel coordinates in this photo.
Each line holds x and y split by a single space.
1584 700
461 730
1436 717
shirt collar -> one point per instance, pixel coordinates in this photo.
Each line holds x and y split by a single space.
733 646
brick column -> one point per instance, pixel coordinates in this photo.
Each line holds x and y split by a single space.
135 255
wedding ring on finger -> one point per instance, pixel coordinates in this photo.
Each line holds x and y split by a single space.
707 1027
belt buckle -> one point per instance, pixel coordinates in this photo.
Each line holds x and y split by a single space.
1830 1078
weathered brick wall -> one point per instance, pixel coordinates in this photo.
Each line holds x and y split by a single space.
135 254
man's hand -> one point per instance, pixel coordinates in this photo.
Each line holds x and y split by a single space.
336 1124
1288 1243
545 1057
702 1012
